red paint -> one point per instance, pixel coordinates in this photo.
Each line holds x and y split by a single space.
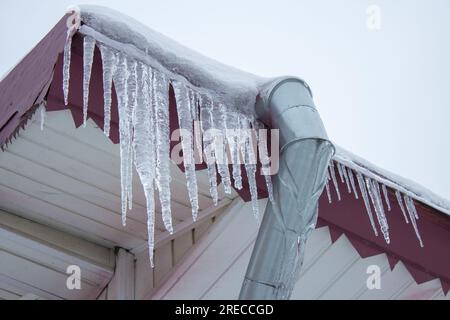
349 216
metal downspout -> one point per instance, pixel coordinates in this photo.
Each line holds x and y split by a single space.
305 153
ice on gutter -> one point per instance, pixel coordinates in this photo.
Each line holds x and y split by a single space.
233 87
405 186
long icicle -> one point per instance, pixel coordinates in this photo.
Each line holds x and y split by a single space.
386 196
144 147
233 143
250 165
130 110
120 82
341 174
379 211
109 62
333 177
150 203
347 181
161 104
363 190
197 126
208 146
66 66
327 186
220 138
88 58
184 105
352 182
412 212
400 204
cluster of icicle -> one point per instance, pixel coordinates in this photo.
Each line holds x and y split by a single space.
372 192
143 107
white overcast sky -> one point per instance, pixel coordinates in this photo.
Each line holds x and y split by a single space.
384 95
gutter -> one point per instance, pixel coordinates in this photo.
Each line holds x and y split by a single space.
305 152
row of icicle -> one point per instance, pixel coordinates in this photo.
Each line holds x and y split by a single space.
143 107
373 193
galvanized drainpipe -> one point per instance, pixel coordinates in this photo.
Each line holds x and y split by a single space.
305 152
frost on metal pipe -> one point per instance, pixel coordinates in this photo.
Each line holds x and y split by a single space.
304 156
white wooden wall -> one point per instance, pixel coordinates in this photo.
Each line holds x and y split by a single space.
133 276
216 267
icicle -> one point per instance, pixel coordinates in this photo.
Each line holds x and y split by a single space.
375 196
265 161
120 82
220 142
161 104
88 58
232 135
250 164
109 65
352 182
66 66
327 186
341 174
378 193
197 126
363 190
400 204
208 146
42 113
130 110
412 216
150 202
386 196
333 177
347 182
144 146
184 110
413 207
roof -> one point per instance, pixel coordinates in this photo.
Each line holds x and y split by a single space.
43 70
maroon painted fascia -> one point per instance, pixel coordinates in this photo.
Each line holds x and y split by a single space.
24 88
349 217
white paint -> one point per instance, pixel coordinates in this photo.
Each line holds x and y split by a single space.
122 284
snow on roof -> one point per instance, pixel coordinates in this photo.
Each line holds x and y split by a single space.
234 87
392 180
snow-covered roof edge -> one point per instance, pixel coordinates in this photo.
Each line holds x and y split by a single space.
233 87
406 186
